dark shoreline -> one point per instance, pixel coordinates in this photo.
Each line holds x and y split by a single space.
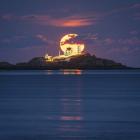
9 69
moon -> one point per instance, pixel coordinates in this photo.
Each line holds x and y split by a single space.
70 48
65 39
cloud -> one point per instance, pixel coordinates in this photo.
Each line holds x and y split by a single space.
90 36
130 41
42 37
133 41
45 40
68 21
74 21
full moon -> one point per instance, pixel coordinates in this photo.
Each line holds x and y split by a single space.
69 46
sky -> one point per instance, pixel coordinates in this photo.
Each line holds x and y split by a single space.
32 28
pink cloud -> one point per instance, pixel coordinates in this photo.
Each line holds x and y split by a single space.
74 21
69 21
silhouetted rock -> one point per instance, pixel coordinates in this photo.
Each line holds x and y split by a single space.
37 61
5 64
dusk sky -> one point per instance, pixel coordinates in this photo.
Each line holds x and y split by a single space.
32 28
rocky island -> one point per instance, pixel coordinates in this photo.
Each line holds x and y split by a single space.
83 61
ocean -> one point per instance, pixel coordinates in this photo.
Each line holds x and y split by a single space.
70 105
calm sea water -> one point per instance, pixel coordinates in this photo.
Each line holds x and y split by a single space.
70 105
